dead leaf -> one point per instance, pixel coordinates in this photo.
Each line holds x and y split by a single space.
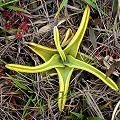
110 65
111 69
40 22
44 29
92 37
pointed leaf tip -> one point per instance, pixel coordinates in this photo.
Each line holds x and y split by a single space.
73 46
44 52
89 68
52 63
57 43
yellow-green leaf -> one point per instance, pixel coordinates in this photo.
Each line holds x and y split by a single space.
67 37
52 63
64 79
57 43
73 46
44 52
87 67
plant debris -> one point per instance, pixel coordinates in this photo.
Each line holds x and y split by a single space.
87 94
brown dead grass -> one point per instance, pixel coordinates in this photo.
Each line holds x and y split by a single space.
87 94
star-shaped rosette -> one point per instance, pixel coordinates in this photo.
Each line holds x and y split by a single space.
63 61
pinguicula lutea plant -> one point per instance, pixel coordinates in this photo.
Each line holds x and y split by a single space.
63 61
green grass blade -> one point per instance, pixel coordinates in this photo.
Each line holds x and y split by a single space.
73 46
95 118
70 117
64 2
57 43
44 52
78 115
18 83
25 107
80 2
52 63
17 9
87 67
114 26
114 7
94 6
7 3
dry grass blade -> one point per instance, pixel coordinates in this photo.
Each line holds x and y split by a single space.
93 105
44 29
115 111
73 8
87 94
118 9
40 22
